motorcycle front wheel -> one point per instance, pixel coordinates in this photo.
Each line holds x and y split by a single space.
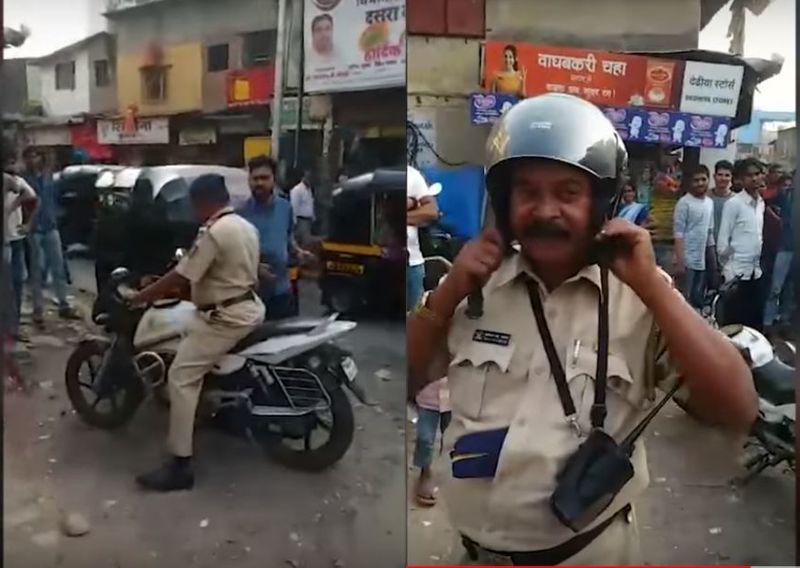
106 413
340 431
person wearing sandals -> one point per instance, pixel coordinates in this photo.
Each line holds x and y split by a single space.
432 406
433 414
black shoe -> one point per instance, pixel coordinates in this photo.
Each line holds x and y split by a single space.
171 476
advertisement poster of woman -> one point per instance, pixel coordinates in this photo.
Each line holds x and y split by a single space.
511 80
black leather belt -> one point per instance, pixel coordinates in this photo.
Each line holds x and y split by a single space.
305 218
550 556
249 295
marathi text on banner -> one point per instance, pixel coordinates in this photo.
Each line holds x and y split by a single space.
604 78
354 45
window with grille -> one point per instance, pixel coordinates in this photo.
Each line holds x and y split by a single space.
102 73
217 58
258 48
154 83
65 76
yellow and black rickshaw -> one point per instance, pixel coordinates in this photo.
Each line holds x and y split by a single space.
364 255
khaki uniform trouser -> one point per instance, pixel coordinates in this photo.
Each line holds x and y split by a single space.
618 545
201 348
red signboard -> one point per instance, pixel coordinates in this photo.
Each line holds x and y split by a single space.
602 77
254 86
85 136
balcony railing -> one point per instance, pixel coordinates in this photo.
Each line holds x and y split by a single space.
254 86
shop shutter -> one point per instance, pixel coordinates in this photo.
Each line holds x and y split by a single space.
466 18
426 17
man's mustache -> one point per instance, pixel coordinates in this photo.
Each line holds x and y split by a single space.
545 231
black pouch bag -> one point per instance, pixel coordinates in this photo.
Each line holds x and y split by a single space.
594 475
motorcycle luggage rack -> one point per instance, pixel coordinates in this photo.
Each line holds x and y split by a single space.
302 388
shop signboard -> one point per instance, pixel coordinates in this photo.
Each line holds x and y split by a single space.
147 131
48 136
354 45
486 108
84 136
248 87
601 77
669 127
197 136
710 88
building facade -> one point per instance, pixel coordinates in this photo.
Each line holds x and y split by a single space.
204 67
449 35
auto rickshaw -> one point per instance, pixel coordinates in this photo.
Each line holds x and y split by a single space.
144 215
364 255
77 197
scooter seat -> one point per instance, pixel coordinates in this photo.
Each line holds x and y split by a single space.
270 329
775 382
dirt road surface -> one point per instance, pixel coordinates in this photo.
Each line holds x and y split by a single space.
691 514
245 511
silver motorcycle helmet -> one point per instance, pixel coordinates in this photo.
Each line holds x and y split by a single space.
562 128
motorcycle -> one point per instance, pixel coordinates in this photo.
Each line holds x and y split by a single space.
772 438
279 386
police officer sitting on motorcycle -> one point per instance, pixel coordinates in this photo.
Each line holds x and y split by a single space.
222 268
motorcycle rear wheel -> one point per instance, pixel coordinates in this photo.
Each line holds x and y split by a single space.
318 459
130 391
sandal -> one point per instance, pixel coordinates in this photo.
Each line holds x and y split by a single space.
425 499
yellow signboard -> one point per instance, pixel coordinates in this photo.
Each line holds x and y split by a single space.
257 146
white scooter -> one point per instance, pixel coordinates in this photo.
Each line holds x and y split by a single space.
281 386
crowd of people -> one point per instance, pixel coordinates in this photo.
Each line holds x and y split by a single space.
739 232
32 251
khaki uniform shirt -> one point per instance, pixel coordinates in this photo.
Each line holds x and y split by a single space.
223 264
494 386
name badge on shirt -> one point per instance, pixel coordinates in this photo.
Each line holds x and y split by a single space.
492 337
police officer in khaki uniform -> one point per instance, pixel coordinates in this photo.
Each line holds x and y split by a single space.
222 270
555 165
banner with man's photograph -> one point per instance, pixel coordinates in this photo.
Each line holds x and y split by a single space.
354 45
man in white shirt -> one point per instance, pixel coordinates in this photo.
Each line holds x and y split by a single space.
693 228
301 197
739 245
20 204
421 210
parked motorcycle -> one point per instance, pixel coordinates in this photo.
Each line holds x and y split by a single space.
282 386
772 439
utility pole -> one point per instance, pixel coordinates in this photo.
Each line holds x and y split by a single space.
300 85
277 99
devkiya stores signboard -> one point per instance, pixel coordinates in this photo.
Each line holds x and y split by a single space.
353 45
709 88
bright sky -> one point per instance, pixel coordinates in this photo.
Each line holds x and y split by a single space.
771 32
56 23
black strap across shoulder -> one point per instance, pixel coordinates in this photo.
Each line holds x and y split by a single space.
599 409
